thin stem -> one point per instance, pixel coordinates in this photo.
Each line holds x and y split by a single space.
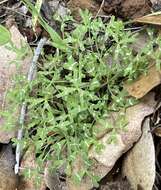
103 1
30 77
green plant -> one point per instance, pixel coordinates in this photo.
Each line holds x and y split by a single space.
5 35
78 86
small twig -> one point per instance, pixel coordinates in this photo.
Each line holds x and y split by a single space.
156 188
3 1
30 77
15 11
102 16
103 1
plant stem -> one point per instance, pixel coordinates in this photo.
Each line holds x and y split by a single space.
30 77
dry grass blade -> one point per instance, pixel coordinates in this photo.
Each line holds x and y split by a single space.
154 18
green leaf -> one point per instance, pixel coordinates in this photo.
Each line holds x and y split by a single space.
5 35
86 17
57 41
37 7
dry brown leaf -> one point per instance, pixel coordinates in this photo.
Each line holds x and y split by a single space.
144 83
105 160
51 181
157 131
86 184
125 139
7 71
51 178
154 18
8 179
28 161
139 163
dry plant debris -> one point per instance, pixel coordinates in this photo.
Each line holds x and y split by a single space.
8 179
144 83
139 162
8 70
106 159
55 180
154 18
28 162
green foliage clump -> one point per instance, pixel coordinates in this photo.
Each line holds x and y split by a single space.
78 86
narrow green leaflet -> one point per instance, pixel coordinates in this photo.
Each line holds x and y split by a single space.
57 41
37 7
5 35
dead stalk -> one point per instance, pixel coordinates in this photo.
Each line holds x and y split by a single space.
103 1
30 77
